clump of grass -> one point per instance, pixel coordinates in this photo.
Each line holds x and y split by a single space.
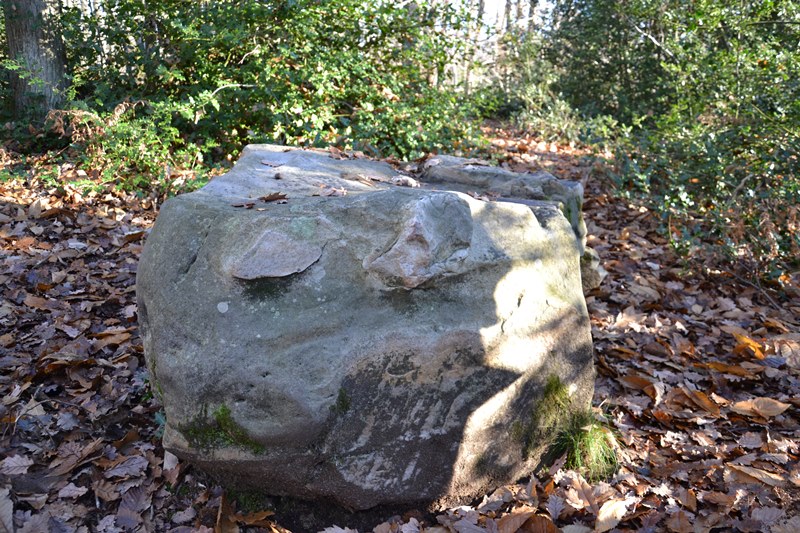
590 447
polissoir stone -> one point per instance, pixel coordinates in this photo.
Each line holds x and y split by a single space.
362 342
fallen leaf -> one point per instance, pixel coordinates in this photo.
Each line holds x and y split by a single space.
584 493
719 498
610 514
226 522
134 501
788 347
747 344
768 478
538 524
554 506
72 491
495 501
273 197
105 490
576 528
733 370
15 465
6 512
761 407
750 440
703 401
791 525
681 522
511 523
767 515
688 499
181 517
130 467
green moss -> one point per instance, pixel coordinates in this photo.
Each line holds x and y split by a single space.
519 431
342 404
155 386
250 501
548 414
553 406
482 466
222 431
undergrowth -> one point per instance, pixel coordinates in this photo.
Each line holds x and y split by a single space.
570 431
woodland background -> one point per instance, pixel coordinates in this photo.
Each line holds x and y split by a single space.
682 118
696 105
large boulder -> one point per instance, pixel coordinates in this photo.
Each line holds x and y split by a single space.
357 341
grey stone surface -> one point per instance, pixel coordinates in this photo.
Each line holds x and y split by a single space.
372 346
467 175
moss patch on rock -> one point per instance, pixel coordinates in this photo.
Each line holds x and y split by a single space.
342 404
221 431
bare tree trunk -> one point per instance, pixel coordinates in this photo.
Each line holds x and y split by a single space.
473 37
33 32
531 14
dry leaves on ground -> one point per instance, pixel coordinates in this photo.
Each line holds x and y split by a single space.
699 374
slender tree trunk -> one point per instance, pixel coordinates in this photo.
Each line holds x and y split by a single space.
33 32
531 15
473 36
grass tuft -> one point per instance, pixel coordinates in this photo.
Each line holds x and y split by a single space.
590 447
566 429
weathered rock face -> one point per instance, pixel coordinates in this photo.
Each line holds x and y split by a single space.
469 175
361 342
533 188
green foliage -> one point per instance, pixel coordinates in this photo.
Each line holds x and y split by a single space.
570 430
700 104
589 446
200 80
608 64
722 164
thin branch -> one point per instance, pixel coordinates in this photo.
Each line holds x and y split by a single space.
772 22
760 289
652 39
253 51
234 86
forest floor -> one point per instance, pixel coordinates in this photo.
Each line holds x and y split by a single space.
698 374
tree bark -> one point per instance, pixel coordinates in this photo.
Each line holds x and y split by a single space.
33 33
532 15
473 36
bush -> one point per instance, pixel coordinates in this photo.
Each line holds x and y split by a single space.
301 72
